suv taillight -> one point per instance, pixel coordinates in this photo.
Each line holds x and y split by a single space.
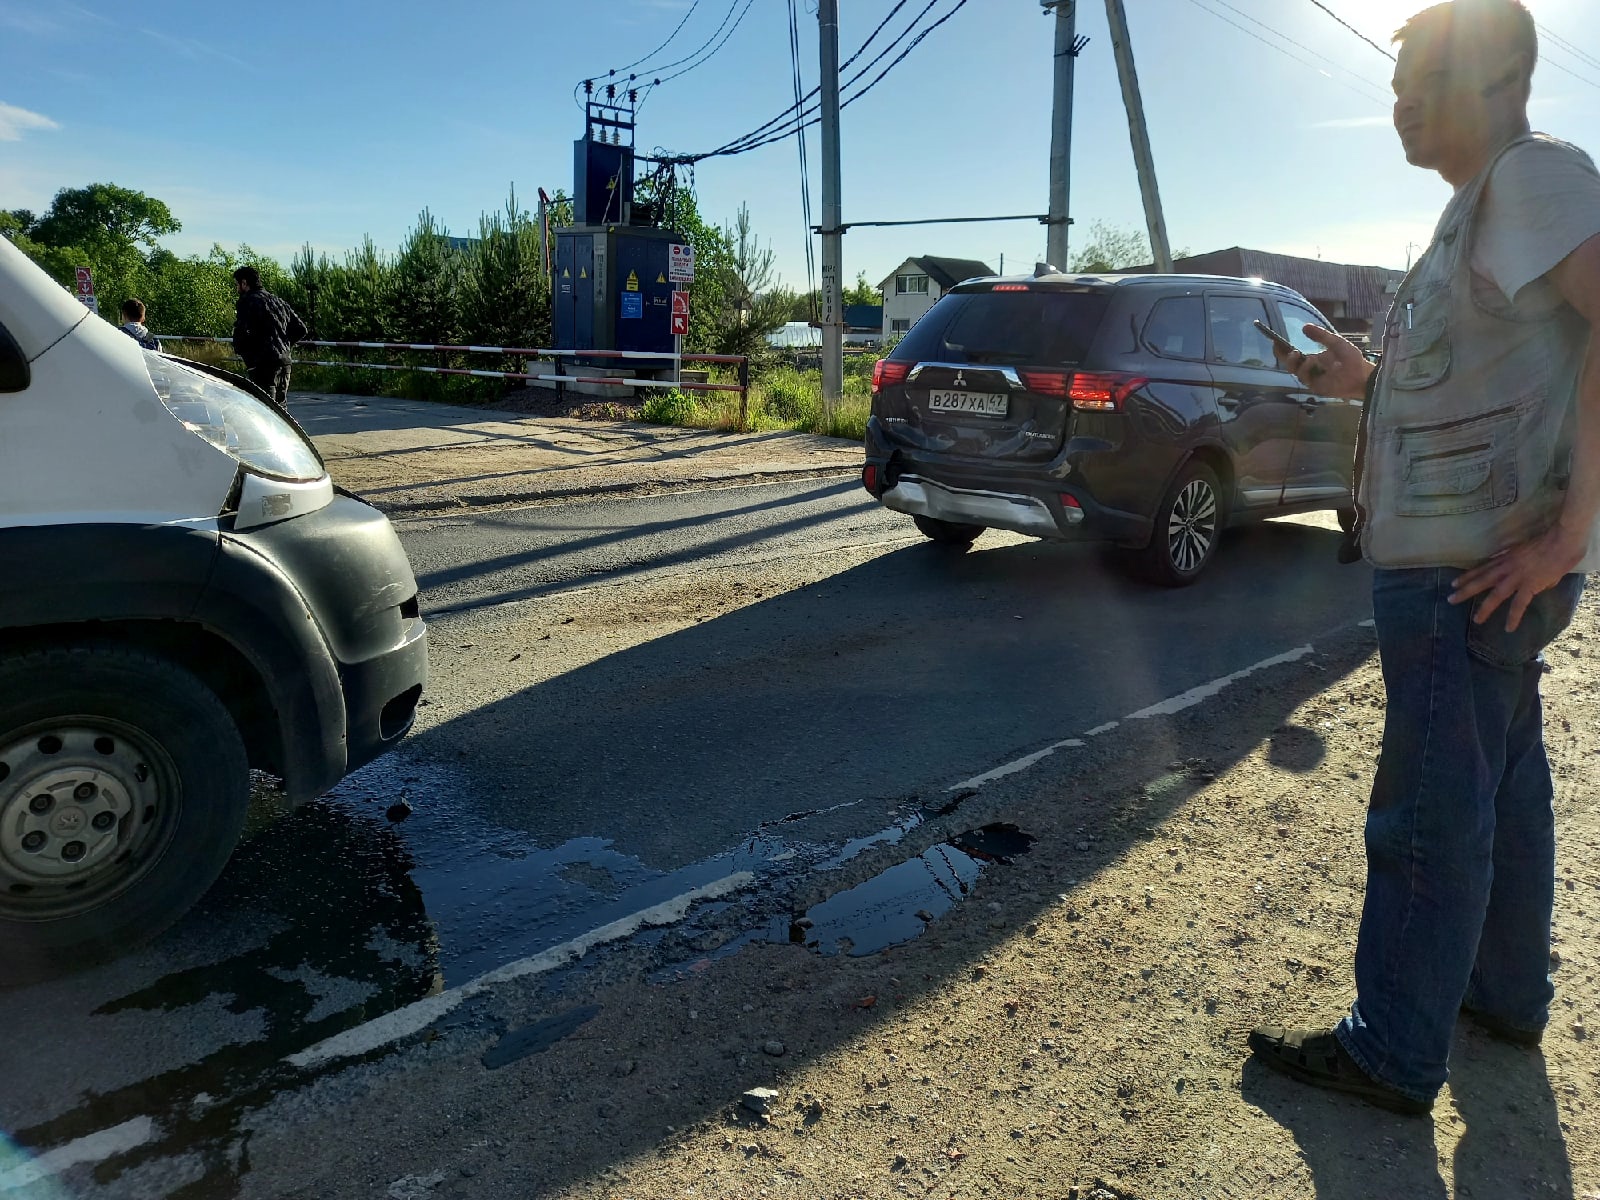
1103 391
1045 383
887 374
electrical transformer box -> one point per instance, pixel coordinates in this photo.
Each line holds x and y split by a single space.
611 289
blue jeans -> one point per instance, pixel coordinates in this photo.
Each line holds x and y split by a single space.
1460 830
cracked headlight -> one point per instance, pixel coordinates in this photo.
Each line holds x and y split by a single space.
233 421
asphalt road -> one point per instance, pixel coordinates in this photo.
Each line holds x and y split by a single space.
630 700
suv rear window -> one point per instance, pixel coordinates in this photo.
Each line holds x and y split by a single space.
1017 328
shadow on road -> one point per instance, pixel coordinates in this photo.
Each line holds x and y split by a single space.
866 695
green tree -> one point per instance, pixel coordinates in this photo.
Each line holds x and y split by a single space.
104 216
1110 249
505 292
862 292
750 303
423 305
191 295
355 301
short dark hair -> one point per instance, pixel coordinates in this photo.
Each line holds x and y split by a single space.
133 310
1476 29
248 276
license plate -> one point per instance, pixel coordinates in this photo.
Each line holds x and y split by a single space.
983 404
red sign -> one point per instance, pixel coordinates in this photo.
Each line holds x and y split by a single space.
680 324
680 304
85 282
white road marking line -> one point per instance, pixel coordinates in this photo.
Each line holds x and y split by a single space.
1164 708
1205 691
419 1015
91 1148
1011 768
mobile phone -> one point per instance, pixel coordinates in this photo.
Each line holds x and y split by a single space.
1284 344
1276 338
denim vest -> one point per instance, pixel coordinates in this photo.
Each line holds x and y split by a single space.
1469 435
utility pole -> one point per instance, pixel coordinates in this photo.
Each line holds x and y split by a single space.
1068 44
1154 221
832 215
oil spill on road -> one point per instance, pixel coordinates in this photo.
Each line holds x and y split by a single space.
360 917
896 905
889 909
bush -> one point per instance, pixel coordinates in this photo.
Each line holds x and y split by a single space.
792 397
669 407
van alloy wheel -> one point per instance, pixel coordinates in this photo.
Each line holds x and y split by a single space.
86 805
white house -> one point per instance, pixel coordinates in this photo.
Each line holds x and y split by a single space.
916 283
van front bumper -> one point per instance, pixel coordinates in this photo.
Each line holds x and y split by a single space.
325 607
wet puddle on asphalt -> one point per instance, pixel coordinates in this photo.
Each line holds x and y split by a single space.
369 916
897 904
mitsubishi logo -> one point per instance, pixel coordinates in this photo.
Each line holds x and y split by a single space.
960 380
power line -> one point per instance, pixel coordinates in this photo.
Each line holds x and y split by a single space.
807 117
1354 30
707 57
1278 33
1383 100
801 109
1581 55
676 30
1550 62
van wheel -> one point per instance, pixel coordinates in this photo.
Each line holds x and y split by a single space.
123 788
1187 526
948 533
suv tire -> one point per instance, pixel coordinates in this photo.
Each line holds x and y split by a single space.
1188 523
124 786
948 533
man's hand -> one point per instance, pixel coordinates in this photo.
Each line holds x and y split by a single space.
1341 370
1519 574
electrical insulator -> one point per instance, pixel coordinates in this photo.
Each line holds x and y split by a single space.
588 87
611 91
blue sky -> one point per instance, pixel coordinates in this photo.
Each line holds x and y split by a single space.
288 122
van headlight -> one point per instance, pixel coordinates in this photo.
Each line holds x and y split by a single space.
233 421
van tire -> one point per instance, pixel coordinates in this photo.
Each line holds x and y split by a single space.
124 786
1188 524
948 533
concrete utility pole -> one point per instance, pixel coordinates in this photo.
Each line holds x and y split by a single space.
1123 49
1067 47
832 235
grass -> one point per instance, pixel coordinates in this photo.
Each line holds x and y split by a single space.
781 397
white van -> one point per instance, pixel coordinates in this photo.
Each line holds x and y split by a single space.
184 596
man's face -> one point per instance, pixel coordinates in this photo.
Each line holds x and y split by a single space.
1440 111
242 286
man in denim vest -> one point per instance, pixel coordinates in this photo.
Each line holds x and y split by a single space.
1478 490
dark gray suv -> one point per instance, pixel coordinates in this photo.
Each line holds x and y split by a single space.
1145 410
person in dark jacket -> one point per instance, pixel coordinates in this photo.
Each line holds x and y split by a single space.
133 324
263 331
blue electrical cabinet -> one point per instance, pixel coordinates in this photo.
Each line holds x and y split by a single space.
610 291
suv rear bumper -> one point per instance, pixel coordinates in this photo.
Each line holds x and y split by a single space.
997 496
923 497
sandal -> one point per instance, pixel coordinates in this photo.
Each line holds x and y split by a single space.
1316 1057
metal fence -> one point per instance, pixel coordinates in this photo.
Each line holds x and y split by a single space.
559 376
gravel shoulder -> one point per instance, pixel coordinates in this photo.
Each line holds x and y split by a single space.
413 456
1073 1027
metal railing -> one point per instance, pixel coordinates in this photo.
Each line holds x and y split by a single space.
559 377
